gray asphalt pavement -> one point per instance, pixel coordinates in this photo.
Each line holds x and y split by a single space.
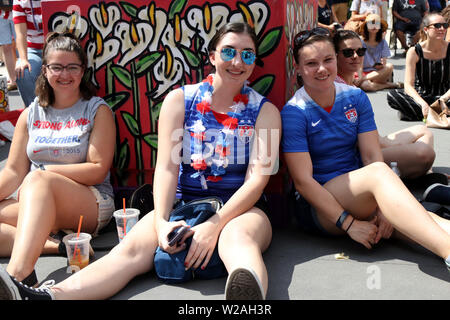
305 267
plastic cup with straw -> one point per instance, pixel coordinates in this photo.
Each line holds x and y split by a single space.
76 244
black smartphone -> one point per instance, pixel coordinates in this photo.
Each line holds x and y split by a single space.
377 64
176 235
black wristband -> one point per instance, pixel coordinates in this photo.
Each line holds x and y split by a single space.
350 225
341 219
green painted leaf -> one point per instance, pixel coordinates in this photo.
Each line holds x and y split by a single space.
193 60
131 123
116 100
124 155
145 63
263 84
269 42
157 109
176 7
130 9
152 140
123 75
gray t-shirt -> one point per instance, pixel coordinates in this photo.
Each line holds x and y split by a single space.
61 136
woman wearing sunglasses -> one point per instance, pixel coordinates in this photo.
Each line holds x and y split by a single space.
427 75
330 144
216 123
412 147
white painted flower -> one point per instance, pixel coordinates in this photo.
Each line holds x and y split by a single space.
168 71
255 14
104 16
73 23
134 39
100 52
207 20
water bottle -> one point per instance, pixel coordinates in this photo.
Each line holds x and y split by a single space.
394 168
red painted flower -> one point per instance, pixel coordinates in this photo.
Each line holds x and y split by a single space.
203 107
214 178
199 164
241 98
230 123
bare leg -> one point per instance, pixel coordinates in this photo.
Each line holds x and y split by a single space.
412 148
401 36
108 275
242 242
48 202
10 61
374 185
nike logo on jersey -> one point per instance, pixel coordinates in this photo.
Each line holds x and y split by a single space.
315 123
36 151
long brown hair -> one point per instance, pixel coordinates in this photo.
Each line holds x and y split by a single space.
65 42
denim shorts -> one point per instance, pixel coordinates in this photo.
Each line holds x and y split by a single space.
7 31
106 209
305 215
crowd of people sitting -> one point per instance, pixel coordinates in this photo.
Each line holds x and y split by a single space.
338 163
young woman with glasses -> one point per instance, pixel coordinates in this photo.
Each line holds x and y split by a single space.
218 124
59 161
412 147
427 75
330 144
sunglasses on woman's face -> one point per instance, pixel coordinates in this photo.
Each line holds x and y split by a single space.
228 54
439 25
349 52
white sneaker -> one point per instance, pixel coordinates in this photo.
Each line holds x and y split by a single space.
243 284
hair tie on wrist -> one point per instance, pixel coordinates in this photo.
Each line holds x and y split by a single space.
350 225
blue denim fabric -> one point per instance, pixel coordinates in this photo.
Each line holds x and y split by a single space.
170 267
27 83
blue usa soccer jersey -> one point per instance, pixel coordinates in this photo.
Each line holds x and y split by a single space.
330 138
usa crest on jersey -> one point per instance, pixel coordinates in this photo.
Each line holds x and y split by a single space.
245 132
351 115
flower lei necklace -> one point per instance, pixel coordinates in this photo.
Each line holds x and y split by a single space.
217 165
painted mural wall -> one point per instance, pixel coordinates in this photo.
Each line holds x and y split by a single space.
140 50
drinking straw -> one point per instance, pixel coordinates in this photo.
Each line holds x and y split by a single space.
124 219
78 236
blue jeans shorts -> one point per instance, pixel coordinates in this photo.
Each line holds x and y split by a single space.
305 215
7 31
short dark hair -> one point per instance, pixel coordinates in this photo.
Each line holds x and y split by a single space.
65 42
342 35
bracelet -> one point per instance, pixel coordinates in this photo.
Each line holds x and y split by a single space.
341 219
41 166
350 225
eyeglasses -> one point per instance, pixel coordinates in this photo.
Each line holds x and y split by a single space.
439 25
304 35
349 52
72 68
228 54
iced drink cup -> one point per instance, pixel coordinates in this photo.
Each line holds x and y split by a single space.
77 250
125 221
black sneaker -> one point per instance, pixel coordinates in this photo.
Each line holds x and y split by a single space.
438 193
243 284
11 289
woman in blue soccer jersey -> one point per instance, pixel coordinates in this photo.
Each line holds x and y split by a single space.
330 143
59 161
213 121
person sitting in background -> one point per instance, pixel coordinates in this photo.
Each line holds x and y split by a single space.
377 72
412 148
340 10
408 17
360 9
7 44
27 17
427 73
325 17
